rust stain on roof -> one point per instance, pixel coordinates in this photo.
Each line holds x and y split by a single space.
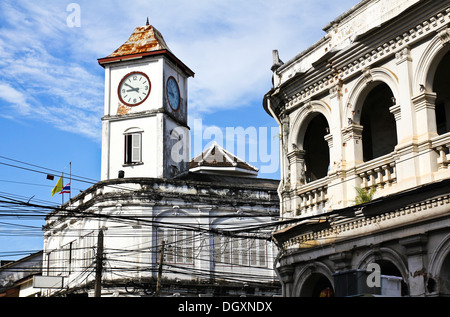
144 39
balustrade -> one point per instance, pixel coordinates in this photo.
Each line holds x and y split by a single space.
441 145
312 197
378 176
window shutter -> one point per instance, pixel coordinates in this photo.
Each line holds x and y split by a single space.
136 148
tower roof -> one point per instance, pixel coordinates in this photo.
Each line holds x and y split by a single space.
216 160
144 41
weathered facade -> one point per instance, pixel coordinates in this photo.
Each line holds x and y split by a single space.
205 222
16 277
158 224
366 107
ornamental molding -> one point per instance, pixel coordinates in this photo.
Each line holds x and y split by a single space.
398 46
349 228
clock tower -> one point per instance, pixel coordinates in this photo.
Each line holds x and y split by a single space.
144 127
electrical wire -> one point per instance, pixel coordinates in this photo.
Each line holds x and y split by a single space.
24 209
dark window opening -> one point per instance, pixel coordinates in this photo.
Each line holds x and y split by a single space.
317 152
379 127
388 268
441 84
133 151
317 285
444 277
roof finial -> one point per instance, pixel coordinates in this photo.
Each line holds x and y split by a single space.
147 22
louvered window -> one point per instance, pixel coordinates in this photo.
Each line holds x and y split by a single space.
133 152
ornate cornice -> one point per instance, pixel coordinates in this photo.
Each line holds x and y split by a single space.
397 47
349 228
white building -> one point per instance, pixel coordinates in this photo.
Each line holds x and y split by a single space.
208 225
367 106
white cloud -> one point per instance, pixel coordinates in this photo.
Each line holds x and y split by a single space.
15 98
53 68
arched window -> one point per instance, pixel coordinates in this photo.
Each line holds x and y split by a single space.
317 152
441 84
379 135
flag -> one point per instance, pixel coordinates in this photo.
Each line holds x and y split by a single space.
58 187
65 189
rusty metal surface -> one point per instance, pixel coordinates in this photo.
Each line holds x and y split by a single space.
144 39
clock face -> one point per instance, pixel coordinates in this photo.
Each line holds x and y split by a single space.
173 93
134 89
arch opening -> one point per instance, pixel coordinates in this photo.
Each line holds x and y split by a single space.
390 269
379 136
441 82
444 277
317 152
317 285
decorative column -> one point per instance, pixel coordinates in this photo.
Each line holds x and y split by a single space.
407 164
353 156
296 159
405 122
286 274
424 107
416 251
336 187
352 140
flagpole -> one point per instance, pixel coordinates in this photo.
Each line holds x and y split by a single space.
70 182
62 194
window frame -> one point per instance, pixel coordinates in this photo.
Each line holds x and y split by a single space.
130 147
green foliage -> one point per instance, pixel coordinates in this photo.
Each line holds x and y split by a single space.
364 195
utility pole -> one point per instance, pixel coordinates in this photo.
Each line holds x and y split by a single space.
161 259
99 266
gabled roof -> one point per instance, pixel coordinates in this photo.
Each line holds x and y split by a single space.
216 160
144 41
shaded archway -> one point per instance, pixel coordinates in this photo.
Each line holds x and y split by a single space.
441 84
390 269
379 136
317 152
317 285
444 277
391 264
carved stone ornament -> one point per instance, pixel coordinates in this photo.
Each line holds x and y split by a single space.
444 35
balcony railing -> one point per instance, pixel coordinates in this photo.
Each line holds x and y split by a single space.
441 144
379 173
312 197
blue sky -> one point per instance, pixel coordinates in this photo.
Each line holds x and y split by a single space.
51 86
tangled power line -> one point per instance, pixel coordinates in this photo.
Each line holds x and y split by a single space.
16 209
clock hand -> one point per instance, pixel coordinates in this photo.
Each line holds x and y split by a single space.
132 88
